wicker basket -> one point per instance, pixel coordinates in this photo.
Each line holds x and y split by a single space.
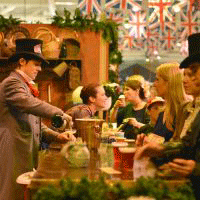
51 45
8 46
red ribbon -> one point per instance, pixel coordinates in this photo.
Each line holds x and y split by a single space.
33 88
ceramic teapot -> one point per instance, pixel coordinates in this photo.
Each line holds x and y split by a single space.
76 153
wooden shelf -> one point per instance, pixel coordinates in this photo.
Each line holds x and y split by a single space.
67 58
4 61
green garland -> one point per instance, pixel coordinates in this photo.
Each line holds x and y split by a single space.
82 23
115 57
8 23
100 190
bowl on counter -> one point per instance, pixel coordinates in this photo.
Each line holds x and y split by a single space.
131 142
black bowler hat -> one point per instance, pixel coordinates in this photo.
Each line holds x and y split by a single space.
30 47
194 50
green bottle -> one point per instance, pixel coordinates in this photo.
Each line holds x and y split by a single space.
57 121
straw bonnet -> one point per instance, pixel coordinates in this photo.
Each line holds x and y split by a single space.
154 100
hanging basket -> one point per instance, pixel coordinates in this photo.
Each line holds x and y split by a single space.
74 76
51 45
72 46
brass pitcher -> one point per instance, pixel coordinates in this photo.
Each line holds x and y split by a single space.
90 131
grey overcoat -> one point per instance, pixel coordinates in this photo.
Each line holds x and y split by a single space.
20 127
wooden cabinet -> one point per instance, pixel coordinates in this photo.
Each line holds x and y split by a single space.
55 89
94 50
87 49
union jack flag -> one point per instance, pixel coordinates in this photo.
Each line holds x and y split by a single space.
151 24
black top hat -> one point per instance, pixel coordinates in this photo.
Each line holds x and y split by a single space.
194 50
27 46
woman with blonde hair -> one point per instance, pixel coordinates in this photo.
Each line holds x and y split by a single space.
169 85
145 84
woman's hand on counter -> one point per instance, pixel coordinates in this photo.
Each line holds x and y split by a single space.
181 166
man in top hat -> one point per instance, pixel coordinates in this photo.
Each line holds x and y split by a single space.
20 117
190 133
189 163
